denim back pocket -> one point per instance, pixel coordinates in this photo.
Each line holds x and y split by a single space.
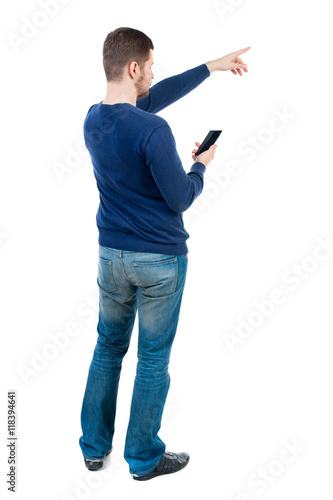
159 277
105 279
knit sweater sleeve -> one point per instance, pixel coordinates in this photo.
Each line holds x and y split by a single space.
178 188
171 89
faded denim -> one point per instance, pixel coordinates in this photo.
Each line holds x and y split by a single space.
153 285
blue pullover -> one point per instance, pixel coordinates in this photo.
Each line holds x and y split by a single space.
143 187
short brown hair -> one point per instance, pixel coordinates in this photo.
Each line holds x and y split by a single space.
122 46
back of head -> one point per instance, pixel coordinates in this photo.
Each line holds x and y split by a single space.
123 46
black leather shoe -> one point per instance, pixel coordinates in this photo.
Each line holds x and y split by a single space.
95 464
171 462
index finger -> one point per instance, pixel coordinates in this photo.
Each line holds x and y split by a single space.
238 52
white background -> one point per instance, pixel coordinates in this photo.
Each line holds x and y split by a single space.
232 410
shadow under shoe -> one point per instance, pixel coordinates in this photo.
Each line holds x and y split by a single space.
95 464
171 462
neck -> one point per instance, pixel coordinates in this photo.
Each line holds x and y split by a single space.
119 93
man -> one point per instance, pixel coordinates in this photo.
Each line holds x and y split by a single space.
142 261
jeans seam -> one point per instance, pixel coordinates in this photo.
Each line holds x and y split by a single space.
154 263
149 470
110 277
92 459
122 263
175 278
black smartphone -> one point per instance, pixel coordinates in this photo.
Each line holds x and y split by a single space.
210 139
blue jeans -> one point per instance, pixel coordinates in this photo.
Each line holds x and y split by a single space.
129 281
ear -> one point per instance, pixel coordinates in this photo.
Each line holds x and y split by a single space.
133 69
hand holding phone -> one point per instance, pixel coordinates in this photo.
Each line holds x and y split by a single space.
204 148
209 140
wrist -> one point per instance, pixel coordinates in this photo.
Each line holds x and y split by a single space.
211 66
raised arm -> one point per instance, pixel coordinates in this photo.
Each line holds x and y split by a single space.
169 90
